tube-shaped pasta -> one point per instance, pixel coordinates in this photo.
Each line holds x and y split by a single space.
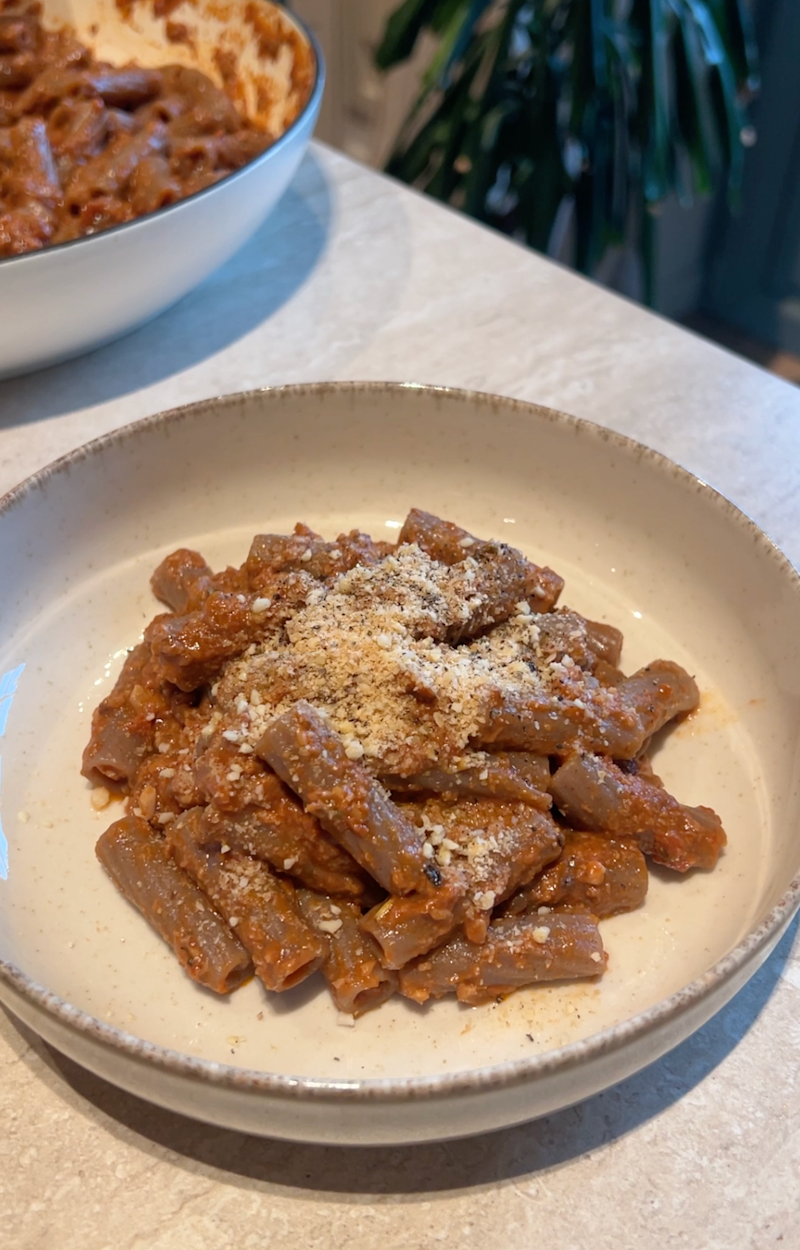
657 694
547 726
307 552
605 641
501 575
126 140
342 726
519 950
25 229
353 807
17 33
486 848
140 865
175 580
17 70
123 728
189 650
357 980
408 926
516 775
613 720
105 174
603 874
289 839
533 769
257 906
183 580
152 186
593 793
124 88
480 850
557 634
77 129
449 543
35 172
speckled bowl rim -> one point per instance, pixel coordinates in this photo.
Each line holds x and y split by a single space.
499 1076
34 257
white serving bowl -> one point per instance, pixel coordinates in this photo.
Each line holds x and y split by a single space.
68 299
641 542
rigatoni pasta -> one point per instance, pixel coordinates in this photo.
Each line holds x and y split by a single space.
403 766
256 904
141 866
85 145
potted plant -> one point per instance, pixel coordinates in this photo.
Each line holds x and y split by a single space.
566 123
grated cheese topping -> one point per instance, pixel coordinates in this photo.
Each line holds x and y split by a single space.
368 650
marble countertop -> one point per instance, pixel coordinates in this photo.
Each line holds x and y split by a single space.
355 277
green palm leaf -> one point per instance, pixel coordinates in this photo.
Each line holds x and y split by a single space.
615 104
402 31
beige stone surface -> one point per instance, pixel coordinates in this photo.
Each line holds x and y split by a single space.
355 277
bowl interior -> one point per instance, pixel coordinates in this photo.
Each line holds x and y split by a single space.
274 79
641 544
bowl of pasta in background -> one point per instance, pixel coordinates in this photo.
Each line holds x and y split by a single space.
667 564
70 297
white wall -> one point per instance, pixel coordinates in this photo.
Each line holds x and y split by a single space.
363 109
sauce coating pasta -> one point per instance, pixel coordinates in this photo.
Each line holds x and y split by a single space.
85 146
404 766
